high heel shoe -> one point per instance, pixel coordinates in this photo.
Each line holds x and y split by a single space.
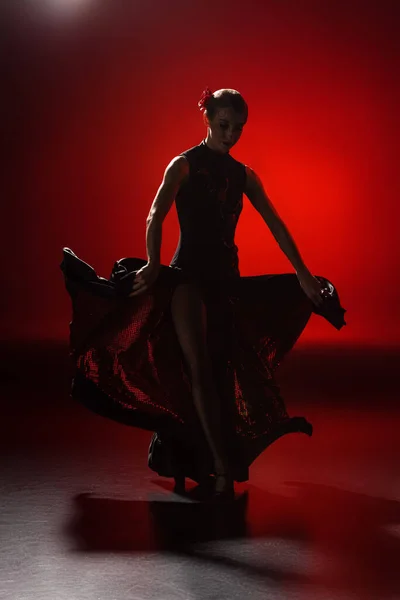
227 493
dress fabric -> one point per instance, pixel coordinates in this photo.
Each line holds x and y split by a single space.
129 364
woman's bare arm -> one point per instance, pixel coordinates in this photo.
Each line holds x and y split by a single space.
256 194
259 199
175 174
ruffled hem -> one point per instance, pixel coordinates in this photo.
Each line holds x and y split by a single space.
130 368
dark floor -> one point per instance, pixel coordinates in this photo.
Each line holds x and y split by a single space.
83 518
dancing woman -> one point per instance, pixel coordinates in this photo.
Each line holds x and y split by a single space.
212 337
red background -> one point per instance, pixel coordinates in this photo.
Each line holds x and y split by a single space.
103 95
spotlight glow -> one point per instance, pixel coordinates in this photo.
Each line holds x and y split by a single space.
60 8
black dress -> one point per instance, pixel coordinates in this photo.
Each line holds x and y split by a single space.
129 365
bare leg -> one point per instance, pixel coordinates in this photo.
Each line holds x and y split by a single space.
190 321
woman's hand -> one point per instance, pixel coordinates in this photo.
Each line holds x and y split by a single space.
144 278
311 286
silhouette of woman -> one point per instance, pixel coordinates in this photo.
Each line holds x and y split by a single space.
189 351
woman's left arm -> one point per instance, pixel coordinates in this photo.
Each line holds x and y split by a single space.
255 192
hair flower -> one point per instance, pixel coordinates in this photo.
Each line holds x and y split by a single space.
205 97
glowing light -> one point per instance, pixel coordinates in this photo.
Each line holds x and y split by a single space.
60 8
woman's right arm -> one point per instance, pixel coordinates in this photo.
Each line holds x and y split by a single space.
175 174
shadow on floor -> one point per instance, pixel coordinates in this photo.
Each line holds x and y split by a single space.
350 531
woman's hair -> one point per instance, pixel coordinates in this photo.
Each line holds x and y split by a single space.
224 98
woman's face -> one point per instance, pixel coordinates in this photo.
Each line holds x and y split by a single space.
225 129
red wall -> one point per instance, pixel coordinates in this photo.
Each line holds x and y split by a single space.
101 100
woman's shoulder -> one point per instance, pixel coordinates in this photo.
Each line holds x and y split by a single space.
177 169
187 160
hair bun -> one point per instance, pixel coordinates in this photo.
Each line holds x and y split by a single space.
205 97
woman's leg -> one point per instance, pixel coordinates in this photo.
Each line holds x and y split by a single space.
190 321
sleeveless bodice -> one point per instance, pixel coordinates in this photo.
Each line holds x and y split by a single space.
208 205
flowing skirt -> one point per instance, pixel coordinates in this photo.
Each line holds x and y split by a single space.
129 366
